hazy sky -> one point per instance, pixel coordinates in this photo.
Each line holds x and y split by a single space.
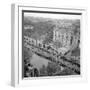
55 16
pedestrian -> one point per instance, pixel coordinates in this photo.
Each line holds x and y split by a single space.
30 67
36 72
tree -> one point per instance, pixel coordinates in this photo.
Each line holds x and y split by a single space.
51 68
43 71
